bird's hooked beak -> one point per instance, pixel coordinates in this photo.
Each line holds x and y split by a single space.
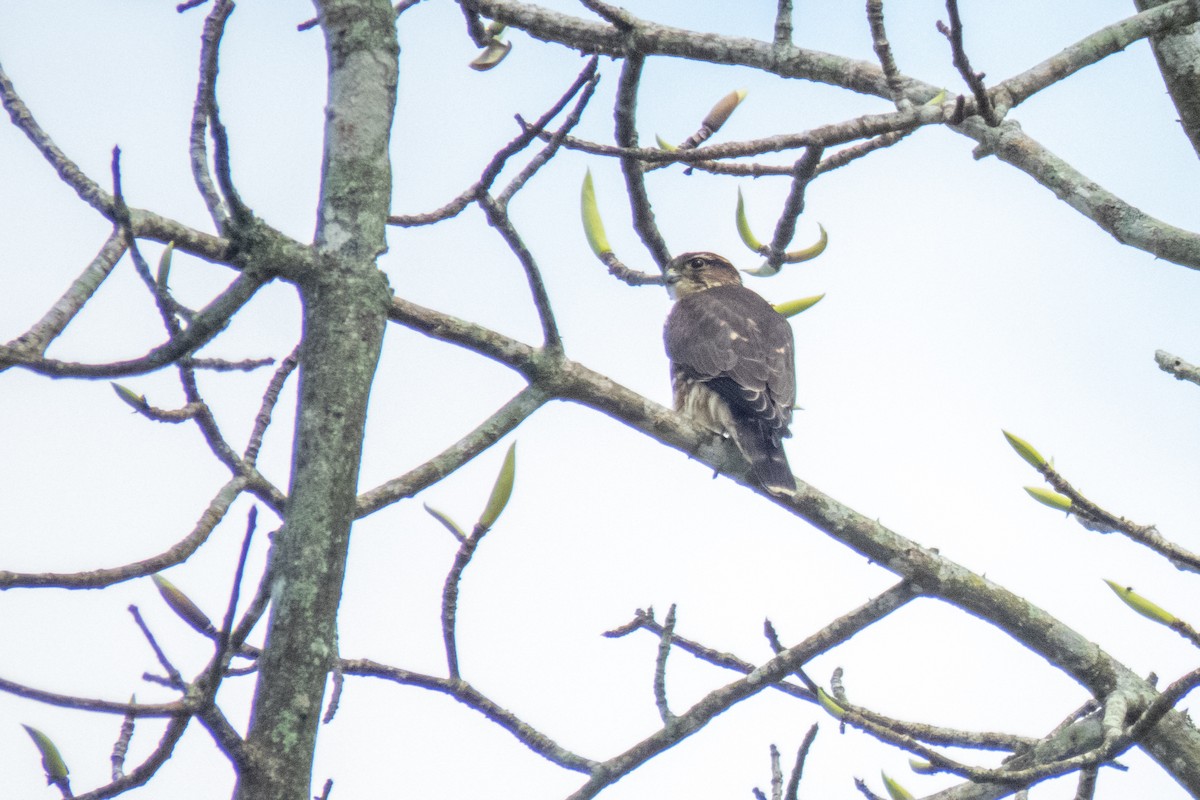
671 277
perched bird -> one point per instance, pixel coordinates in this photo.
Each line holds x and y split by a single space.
733 365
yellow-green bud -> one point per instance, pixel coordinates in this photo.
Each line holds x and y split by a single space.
894 789
183 606
1025 450
502 489
1141 605
793 307
1049 498
52 760
593 227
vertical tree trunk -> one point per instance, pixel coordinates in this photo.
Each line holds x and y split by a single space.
345 300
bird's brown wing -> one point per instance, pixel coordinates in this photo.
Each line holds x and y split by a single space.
733 341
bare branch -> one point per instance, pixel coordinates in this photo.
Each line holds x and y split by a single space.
1095 518
177 554
270 397
202 109
625 116
660 668
56 320
793 786
983 103
501 423
498 218
783 24
883 51
469 696
144 223
1125 223
147 769
466 550
587 78
1177 52
1176 366
205 326
556 140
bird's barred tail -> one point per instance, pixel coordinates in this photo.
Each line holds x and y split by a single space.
768 462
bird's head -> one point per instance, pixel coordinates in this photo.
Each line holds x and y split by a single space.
694 272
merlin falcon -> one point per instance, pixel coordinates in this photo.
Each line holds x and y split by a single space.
733 367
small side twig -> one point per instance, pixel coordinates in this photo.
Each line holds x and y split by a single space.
210 41
1094 518
450 598
121 746
783 24
262 419
883 51
173 675
660 668
954 33
793 207
793 787
498 218
625 115
56 320
491 171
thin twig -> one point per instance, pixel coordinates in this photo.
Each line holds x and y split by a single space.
776 773
793 786
499 424
239 213
954 33
555 142
494 166
625 116
210 321
498 218
469 696
450 598
793 207
121 746
660 668
176 554
863 127
210 40
55 321
262 420
173 674
1095 518
883 51
147 769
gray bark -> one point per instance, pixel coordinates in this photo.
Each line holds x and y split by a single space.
1178 56
345 301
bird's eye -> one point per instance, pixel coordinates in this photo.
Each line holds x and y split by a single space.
696 263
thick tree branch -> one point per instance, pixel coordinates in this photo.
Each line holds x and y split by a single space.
935 574
1178 52
1126 223
345 301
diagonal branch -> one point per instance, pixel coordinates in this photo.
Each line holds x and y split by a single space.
56 320
177 554
937 575
500 424
625 115
202 110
